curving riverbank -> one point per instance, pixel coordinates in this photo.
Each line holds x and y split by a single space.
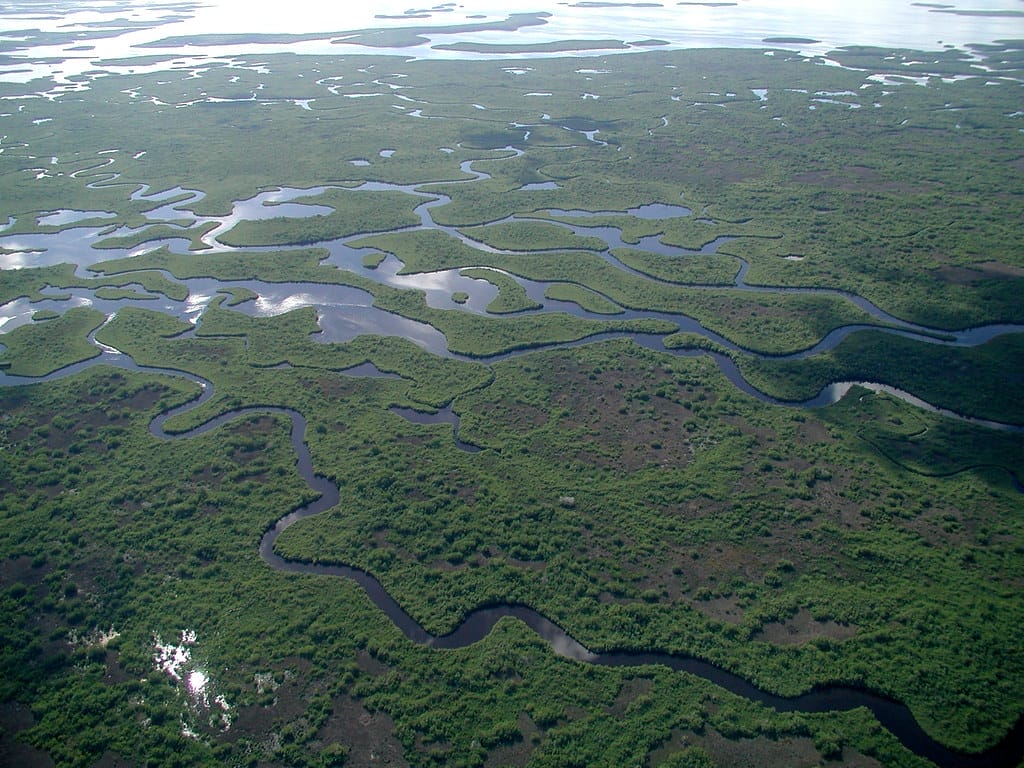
478 624
627 507
349 252
893 715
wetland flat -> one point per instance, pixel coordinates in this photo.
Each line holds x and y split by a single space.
376 391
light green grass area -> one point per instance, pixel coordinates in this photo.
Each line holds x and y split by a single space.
860 194
237 295
157 232
119 294
511 295
28 282
560 46
38 349
354 213
531 236
763 322
710 269
466 334
732 519
936 374
584 297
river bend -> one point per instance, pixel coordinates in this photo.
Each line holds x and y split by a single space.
893 715
477 624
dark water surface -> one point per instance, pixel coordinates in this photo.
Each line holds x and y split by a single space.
894 716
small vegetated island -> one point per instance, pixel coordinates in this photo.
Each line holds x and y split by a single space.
655 408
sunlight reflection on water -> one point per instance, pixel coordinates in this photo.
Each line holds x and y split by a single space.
888 23
176 660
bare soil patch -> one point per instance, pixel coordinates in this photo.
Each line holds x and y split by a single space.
292 690
518 752
959 275
725 609
631 688
987 270
338 387
856 178
620 422
814 431
367 735
999 269
113 760
116 673
790 751
370 665
144 399
14 718
20 569
723 561
516 416
803 627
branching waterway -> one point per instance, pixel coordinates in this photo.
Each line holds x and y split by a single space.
346 312
893 715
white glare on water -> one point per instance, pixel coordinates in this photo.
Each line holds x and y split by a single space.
745 23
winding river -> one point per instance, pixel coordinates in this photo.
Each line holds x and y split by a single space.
893 715
356 316
347 312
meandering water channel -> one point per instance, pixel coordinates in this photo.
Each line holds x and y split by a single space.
346 312
893 715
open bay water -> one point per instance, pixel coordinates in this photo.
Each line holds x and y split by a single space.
67 40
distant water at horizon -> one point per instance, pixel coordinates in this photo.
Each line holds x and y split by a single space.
41 43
